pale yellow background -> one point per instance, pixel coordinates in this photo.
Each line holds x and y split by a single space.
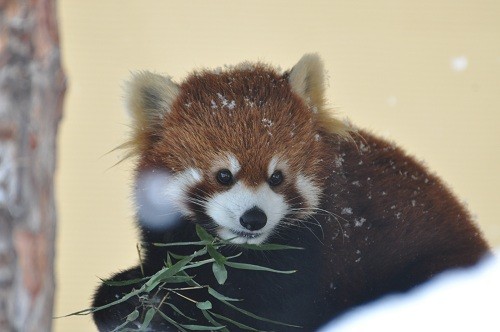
391 69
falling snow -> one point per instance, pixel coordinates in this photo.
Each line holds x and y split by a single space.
346 210
267 123
358 222
392 101
459 63
339 161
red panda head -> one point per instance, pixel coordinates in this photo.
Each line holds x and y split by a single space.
241 147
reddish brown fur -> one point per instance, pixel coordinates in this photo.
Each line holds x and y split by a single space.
194 134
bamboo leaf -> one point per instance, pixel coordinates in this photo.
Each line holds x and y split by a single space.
244 266
148 317
179 279
213 321
252 315
175 244
219 296
266 246
171 321
202 327
203 234
121 327
204 305
133 315
177 310
219 258
166 273
229 320
197 253
220 272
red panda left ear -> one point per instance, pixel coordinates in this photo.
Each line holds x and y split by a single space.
149 97
307 80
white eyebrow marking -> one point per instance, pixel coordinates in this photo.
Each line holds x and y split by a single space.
234 165
272 166
276 164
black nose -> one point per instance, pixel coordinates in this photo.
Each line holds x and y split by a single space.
254 219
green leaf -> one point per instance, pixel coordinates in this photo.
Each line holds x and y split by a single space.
240 325
219 258
148 317
175 244
203 234
213 321
266 246
171 321
219 296
168 263
133 316
120 327
244 266
204 305
252 315
202 327
130 318
179 279
177 310
165 273
220 272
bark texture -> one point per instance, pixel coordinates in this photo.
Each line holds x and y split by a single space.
32 86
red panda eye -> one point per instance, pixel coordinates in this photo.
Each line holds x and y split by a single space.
224 177
276 178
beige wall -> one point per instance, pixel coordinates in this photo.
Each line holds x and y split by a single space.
396 67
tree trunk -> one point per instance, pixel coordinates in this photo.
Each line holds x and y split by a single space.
32 86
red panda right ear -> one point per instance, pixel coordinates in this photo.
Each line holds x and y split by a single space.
307 80
149 97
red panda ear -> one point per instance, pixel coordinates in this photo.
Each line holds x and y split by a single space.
307 80
149 98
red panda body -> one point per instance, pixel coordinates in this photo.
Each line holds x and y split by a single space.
253 156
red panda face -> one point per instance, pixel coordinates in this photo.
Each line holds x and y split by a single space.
241 147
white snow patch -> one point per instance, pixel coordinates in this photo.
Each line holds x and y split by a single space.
225 103
358 222
346 210
465 299
339 161
267 123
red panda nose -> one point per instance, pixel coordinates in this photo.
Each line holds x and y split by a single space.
253 219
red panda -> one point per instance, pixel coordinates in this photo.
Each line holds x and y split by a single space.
253 155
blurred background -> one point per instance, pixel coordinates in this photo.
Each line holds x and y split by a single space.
425 74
